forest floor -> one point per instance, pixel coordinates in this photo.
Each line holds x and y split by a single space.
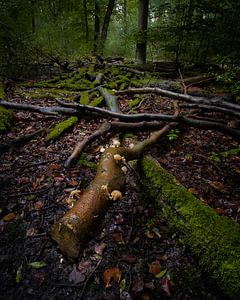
133 244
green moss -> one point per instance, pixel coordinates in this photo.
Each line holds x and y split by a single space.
97 101
60 128
84 98
2 93
134 102
5 119
213 239
85 163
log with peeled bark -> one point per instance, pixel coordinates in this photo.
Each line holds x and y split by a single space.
79 224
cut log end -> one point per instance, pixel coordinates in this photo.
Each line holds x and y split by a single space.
67 240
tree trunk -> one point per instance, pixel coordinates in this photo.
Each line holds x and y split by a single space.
141 47
105 25
96 27
86 19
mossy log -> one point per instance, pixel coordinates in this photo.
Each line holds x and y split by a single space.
213 239
60 128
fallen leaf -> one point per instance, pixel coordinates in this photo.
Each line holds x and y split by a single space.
38 205
166 286
149 235
40 277
117 237
99 248
75 276
138 285
111 274
122 285
19 275
193 190
161 274
136 240
37 264
220 211
30 231
149 285
119 219
85 266
155 267
9 217
72 183
219 186
130 259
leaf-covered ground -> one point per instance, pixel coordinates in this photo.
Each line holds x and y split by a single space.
133 256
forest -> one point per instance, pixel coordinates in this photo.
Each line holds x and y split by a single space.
120 149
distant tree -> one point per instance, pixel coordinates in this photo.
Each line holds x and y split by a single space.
141 47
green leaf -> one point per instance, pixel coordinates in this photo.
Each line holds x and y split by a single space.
161 274
19 274
37 264
122 285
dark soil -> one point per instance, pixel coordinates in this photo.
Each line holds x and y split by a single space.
34 190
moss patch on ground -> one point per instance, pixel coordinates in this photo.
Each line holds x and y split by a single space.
213 239
60 128
5 114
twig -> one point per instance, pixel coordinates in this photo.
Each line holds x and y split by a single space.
87 280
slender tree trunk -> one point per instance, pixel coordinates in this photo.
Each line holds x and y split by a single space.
33 16
105 25
141 47
86 20
96 26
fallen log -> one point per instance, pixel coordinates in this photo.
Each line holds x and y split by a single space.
213 239
79 224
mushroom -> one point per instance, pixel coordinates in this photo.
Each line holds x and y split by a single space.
116 195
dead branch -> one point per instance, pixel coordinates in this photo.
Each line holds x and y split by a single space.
54 110
103 130
198 100
76 109
111 101
211 108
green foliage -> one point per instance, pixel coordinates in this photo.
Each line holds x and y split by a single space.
173 134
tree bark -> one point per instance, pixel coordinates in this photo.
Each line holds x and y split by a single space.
105 26
141 46
96 27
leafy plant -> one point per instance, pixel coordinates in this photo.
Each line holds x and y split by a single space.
173 134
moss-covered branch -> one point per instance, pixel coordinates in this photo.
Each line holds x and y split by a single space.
213 239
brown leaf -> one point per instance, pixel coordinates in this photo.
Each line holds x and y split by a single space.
72 183
119 219
99 248
85 266
166 286
138 285
30 231
111 274
59 178
130 259
149 234
34 185
193 190
219 186
155 267
220 211
38 205
40 277
75 276
9 217
117 237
